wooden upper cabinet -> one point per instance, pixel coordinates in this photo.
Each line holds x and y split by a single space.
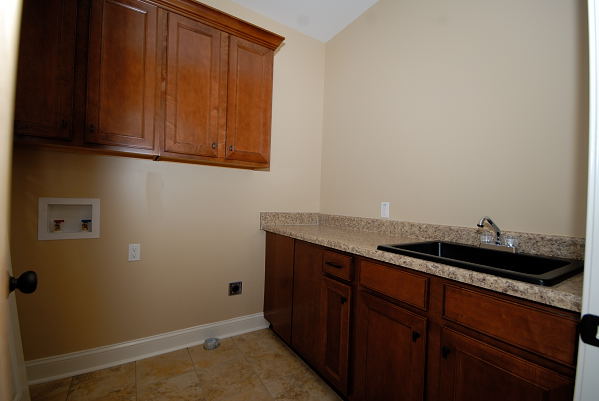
122 74
194 85
249 101
46 70
168 79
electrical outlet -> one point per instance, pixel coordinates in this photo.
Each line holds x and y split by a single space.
235 288
134 252
385 209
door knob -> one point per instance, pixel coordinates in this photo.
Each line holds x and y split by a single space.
26 283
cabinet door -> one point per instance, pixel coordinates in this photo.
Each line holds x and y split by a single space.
249 101
390 352
121 92
278 284
306 332
473 370
336 301
46 70
192 108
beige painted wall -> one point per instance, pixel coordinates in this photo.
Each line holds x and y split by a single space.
198 225
452 110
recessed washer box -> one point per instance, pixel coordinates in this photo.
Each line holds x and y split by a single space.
68 218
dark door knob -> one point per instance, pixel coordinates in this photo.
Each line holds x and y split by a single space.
26 283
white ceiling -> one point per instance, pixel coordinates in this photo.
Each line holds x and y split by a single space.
320 19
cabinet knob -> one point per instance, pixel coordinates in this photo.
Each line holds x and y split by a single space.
231 148
445 351
415 336
213 145
64 124
343 300
91 128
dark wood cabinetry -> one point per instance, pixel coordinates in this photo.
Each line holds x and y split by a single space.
46 70
306 323
336 300
278 284
390 352
163 79
249 101
194 85
414 336
314 318
122 74
473 370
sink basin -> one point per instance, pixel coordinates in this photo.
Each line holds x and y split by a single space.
533 269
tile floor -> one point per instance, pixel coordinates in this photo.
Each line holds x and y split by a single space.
252 367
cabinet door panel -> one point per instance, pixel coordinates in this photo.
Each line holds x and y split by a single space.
390 352
278 284
122 73
336 301
46 72
306 331
249 101
472 370
193 87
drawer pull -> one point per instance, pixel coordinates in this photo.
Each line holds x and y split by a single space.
415 336
445 351
335 265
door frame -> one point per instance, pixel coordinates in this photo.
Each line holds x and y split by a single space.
587 386
13 380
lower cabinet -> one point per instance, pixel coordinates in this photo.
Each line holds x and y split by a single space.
335 314
390 352
376 331
306 338
473 370
278 284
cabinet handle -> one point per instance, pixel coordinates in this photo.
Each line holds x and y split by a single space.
343 300
445 352
335 265
64 124
231 148
91 128
213 145
415 336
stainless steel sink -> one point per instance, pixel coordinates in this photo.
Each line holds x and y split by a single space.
533 269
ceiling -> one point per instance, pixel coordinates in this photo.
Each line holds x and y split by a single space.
320 19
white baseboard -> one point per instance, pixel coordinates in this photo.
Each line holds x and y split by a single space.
66 365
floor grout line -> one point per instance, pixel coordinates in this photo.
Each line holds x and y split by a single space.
253 368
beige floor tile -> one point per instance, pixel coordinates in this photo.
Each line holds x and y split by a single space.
183 387
231 378
56 390
300 387
163 366
205 359
260 394
277 364
260 342
116 383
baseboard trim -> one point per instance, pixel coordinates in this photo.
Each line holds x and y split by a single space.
60 366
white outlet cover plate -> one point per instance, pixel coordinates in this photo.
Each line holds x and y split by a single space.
134 252
385 209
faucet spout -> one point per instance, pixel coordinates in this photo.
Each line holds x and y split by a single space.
481 223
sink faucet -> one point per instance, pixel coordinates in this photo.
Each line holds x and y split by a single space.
481 223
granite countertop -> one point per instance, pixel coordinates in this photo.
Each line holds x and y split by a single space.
566 295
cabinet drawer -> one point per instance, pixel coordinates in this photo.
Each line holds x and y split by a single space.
550 334
337 265
403 286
